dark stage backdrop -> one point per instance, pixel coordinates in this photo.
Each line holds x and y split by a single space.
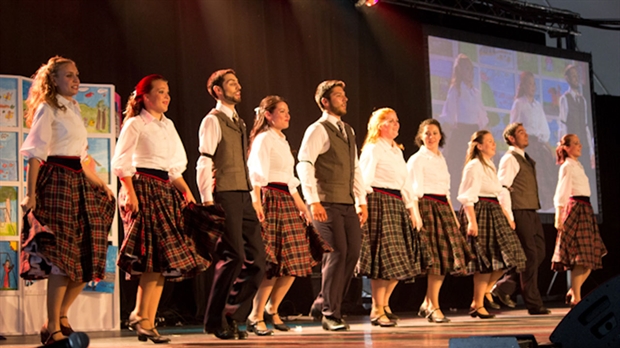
276 47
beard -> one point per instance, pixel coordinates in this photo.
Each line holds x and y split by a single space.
339 111
231 98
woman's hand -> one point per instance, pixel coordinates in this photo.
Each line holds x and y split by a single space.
258 207
28 203
472 228
132 204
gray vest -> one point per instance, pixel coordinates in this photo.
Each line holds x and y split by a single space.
229 159
335 169
576 121
524 190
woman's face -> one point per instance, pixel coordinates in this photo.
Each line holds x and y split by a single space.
574 149
487 147
280 117
67 80
389 127
158 99
530 86
431 136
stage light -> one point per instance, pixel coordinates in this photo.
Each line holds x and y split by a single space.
367 3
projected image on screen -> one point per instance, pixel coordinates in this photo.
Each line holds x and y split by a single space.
477 87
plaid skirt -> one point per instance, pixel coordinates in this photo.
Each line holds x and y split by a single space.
291 247
579 243
450 252
67 233
155 236
497 246
391 249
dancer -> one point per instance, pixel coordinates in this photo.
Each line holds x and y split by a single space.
69 208
517 174
282 212
333 186
149 160
391 248
579 246
240 254
439 226
487 224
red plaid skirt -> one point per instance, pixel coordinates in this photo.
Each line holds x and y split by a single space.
497 246
155 236
69 227
291 247
449 250
579 243
391 248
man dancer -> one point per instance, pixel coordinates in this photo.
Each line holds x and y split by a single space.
240 255
517 173
332 185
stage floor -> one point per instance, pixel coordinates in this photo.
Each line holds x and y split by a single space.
410 332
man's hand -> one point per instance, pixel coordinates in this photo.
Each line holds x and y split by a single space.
318 212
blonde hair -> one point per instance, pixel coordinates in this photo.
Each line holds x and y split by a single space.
43 89
474 152
377 118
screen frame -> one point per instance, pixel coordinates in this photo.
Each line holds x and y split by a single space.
527 47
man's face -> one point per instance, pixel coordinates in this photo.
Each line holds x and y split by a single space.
231 90
520 139
336 103
572 77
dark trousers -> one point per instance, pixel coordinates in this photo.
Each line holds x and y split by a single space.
239 261
530 232
343 233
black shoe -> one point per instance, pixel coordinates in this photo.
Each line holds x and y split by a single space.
252 327
316 313
330 323
423 313
390 315
432 318
490 303
269 319
539 311
474 313
222 333
144 334
377 322
232 324
505 299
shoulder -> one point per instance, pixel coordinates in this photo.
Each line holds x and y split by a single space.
474 164
135 122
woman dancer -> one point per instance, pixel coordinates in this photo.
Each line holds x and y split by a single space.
391 249
439 227
292 246
579 246
150 160
486 223
70 209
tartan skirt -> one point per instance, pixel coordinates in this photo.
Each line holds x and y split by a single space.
391 249
155 236
292 248
449 250
579 243
497 246
67 233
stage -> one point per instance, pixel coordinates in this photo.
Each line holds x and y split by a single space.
411 331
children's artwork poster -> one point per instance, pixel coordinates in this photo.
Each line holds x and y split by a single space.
8 156
105 285
8 102
25 160
8 210
26 84
9 270
95 107
98 158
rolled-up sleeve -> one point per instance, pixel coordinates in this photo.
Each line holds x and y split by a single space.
122 162
469 190
178 163
37 142
563 190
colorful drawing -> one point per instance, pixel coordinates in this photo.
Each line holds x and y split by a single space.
107 284
9 269
8 156
8 211
8 102
95 107
26 84
552 90
98 158
497 57
25 160
501 85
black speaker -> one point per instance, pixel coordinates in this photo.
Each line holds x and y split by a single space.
594 322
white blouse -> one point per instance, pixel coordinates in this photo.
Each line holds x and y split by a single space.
147 142
56 132
271 160
478 181
572 181
532 116
383 166
428 173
